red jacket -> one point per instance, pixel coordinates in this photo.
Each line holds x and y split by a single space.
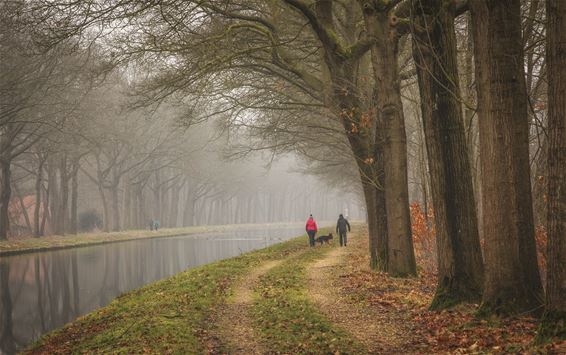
311 225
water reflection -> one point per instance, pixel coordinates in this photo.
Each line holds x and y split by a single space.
42 291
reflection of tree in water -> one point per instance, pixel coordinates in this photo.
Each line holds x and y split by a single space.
39 284
7 339
75 274
43 292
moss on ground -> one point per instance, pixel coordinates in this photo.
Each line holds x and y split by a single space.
164 317
288 321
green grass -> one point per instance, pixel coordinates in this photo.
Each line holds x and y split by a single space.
287 320
169 316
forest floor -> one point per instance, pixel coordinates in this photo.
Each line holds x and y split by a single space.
31 244
291 299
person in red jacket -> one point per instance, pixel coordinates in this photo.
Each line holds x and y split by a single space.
311 230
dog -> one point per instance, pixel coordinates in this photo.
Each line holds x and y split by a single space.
324 239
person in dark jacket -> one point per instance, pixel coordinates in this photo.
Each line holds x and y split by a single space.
342 228
311 229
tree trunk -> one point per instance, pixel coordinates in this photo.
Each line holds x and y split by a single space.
5 195
174 210
460 267
73 227
105 209
127 210
512 280
188 212
24 209
391 122
54 196
64 197
45 215
555 316
114 191
38 188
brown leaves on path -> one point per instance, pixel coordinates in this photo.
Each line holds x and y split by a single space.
382 331
391 316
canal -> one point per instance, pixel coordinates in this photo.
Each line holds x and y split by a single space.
43 291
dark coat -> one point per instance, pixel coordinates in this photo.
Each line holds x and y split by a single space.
342 225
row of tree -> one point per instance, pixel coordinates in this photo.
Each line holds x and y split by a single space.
76 142
329 80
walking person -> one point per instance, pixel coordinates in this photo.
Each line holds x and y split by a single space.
311 229
342 228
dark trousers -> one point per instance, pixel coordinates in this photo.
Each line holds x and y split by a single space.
311 237
343 239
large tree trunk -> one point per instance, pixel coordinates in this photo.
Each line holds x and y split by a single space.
377 226
370 161
390 121
512 280
460 265
555 317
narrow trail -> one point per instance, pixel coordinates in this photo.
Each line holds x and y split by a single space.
380 333
235 328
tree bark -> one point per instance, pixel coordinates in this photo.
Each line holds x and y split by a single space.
390 121
512 280
460 265
555 315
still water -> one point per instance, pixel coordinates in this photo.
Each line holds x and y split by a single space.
43 291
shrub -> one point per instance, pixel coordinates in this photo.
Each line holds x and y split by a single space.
89 220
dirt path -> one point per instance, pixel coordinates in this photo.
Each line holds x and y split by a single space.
235 329
381 332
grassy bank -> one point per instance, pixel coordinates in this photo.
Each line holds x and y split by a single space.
286 317
27 245
167 316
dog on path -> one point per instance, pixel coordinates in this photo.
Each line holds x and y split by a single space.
324 239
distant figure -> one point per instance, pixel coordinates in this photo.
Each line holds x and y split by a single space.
151 225
311 230
156 225
342 228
